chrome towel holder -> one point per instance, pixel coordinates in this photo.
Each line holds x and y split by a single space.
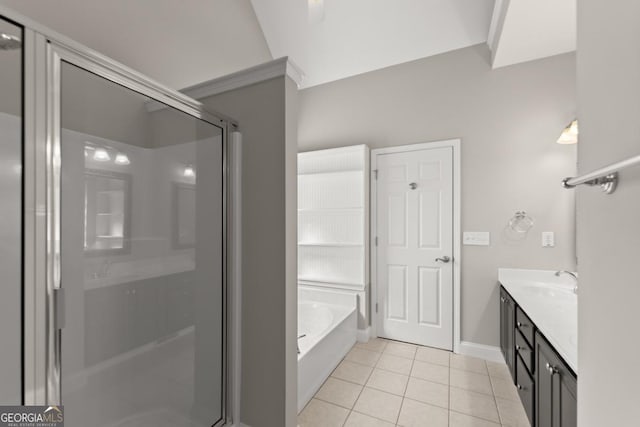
606 177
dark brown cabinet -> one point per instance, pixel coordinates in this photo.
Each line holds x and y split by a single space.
507 330
526 389
556 396
546 384
525 351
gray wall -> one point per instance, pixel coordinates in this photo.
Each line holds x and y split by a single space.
608 65
508 120
269 300
291 231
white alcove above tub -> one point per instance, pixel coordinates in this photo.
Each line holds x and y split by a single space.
333 222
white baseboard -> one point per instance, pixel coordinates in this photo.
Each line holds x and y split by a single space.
363 335
487 352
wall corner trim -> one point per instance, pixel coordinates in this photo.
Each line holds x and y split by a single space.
495 28
481 351
256 74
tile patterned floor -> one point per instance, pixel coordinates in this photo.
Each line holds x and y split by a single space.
387 383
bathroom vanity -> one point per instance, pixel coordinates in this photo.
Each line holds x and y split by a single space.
538 338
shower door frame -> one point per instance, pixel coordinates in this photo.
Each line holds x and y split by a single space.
42 301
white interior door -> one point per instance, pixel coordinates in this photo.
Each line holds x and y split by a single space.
414 221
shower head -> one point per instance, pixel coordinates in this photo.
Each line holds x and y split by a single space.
9 42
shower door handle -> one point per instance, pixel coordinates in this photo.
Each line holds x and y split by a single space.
60 308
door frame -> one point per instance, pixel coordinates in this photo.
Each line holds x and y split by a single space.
455 144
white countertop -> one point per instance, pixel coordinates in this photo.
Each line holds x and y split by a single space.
135 269
550 303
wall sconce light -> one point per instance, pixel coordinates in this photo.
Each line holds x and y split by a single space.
122 159
570 134
189 172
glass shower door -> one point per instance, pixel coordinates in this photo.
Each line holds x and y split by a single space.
10 212
141 259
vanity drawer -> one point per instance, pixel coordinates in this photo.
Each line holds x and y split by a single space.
525 351
526 388
525 325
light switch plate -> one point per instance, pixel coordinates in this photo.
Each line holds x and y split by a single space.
548 239
476 238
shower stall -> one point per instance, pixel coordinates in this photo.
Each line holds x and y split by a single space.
114 238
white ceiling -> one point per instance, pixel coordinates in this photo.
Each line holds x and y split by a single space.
200 40
357 36
527 30
178 43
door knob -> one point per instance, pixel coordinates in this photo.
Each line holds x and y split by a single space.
413 185
444 259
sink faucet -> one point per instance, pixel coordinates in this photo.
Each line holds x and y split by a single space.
102 270
569 273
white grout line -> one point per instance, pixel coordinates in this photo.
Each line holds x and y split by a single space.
405 388
493 394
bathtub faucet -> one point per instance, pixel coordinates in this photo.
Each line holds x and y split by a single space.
300 336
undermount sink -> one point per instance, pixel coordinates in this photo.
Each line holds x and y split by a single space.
547 291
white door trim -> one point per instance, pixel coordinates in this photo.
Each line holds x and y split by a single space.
455 145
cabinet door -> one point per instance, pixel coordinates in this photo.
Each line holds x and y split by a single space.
567 411
180 301
108 320
507 330
526 388
147 316
556 388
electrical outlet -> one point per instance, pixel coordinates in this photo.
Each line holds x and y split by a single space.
548 239
476 238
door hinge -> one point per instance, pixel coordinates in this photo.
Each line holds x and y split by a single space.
375 173
59 307
376 307
376 240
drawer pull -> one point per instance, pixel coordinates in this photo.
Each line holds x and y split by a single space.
520 387
522 325
552 369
